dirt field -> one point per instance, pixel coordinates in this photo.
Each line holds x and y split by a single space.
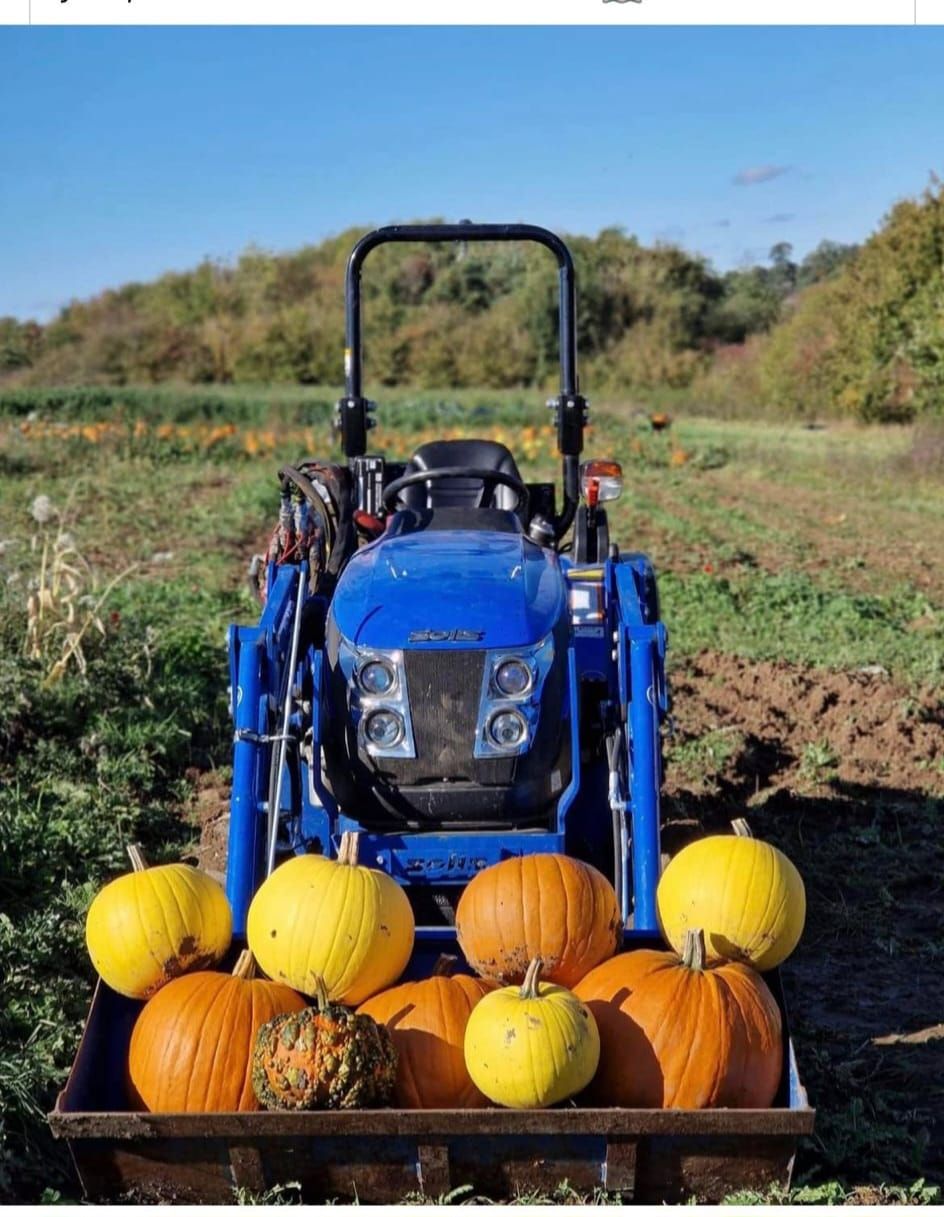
855 812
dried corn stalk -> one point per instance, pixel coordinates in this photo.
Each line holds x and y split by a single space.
64 603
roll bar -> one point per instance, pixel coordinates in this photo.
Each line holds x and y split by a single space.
571 409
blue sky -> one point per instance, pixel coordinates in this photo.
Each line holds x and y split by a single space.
127 152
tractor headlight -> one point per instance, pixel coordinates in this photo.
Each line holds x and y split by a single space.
507 729
378 700
513 678
384 728
510 700
376 677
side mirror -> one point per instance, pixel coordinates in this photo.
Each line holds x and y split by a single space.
600 481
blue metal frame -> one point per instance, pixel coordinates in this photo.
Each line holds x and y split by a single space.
627 648
258 655
641 646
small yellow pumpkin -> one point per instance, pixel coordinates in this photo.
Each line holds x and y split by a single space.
145 928
747 896
316 917
533 1045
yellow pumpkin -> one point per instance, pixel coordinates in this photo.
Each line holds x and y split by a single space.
148 927
746 895
346 923
533 1045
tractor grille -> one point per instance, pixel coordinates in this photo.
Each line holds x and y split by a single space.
444 688
445 784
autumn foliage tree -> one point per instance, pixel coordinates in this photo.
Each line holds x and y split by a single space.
848 330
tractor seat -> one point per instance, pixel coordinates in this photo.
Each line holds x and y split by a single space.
460 492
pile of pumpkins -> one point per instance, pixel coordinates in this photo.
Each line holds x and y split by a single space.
556 1008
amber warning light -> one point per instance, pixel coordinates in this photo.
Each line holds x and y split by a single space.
601 481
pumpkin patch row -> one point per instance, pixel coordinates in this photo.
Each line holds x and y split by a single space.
555 1011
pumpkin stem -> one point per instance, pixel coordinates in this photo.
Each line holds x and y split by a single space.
137 858
245 968
693 950
741 828
529 986
321 994
444 965
349 849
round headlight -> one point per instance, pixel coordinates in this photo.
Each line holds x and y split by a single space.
376 677
384 728
507 729
513 677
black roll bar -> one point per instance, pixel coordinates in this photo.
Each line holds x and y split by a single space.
461 232
571 409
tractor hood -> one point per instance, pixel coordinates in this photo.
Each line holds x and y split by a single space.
450 588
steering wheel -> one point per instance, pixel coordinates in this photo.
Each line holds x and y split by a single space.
488 478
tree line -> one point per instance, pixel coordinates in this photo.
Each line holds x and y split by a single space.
847 329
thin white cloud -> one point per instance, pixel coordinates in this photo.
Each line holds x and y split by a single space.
781 217
756 174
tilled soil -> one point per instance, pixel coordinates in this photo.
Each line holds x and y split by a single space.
209 812
845 772
874 732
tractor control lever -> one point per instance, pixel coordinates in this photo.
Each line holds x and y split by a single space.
368 524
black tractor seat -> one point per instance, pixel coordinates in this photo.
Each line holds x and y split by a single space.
468 493
449 519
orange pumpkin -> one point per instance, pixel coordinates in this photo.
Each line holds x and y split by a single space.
427 1019
191 1048
682 1033
541 905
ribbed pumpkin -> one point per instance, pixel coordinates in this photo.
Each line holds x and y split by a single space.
191 1047
745 894
325 1056
151 925
427 1019
344 923
682 1033
546 906
533 1045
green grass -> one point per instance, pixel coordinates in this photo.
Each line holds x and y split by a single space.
797 618
918 1192
264 405
88 764
702 759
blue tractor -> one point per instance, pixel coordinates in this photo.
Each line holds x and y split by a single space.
459 669
447 660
